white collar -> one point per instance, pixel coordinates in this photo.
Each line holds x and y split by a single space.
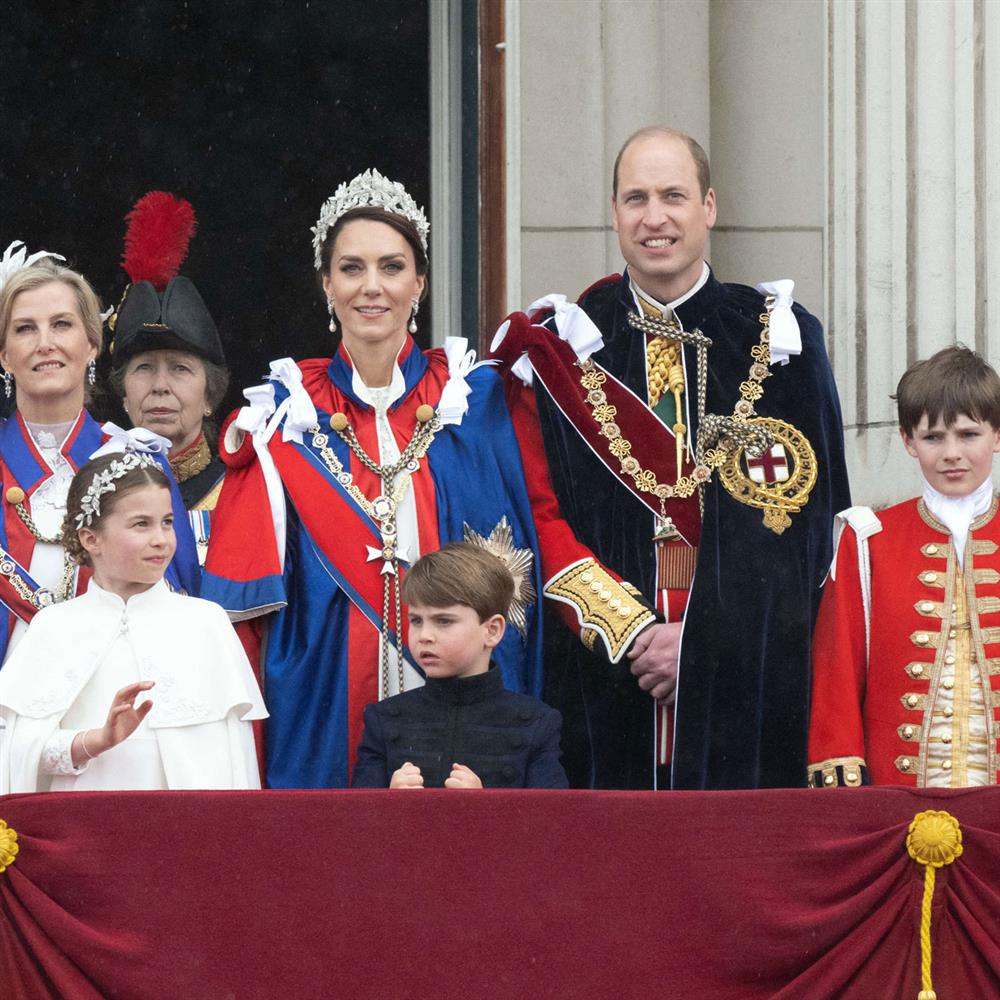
958 513
379 398
136 601
640 295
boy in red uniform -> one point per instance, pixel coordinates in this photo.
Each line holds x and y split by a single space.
906 654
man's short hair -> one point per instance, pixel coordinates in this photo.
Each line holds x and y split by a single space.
952 382
460 573
698 154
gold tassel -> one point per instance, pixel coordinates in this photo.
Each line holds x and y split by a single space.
934 840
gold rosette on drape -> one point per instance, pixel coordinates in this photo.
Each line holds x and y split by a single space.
8 846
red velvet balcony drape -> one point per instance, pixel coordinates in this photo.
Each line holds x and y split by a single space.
438 895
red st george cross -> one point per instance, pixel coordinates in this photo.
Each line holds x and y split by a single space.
771 467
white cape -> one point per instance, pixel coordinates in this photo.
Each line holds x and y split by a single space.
204 698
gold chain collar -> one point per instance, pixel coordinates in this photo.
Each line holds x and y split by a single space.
751 391
382 509
15 497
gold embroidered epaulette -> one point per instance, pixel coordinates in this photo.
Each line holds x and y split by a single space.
607 609
836 772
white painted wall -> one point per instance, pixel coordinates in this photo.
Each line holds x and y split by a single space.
855 147
592 71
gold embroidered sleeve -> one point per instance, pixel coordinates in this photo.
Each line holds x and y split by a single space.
837 772
606 609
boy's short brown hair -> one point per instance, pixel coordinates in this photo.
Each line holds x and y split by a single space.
460 573
952 382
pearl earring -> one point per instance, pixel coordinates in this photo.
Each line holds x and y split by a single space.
333 320
413 319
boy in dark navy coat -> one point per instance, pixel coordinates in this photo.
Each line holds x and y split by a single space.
462 729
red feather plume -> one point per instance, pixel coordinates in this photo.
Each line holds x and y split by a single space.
160 227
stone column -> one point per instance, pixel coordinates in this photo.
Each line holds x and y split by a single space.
913 239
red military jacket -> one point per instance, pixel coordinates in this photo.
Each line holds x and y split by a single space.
871 715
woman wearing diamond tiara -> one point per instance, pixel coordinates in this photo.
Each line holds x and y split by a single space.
50 336
342 471
180 690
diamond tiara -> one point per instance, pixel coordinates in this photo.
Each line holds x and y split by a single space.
104 482
369 188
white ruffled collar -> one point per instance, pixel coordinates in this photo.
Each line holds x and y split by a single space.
958 513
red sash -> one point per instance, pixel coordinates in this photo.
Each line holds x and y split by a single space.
556 365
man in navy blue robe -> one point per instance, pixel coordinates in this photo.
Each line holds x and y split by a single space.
683 447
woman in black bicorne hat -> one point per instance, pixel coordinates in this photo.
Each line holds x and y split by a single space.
167 363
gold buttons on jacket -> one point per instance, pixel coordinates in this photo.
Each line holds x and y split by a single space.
947 683
948 711
338 421
908 732
947 765
949 659
927 607
930 577
921 638
15 495
911 700
917 669
931 550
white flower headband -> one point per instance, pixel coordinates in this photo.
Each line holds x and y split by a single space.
369 188
16 256
104 482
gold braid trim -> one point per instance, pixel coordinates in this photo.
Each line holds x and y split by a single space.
604 606
192 460
665 373
823 774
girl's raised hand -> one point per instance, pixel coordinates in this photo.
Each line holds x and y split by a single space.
123 716
122 721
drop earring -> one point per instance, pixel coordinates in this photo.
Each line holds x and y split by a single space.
8 384
413 319
333 319
91 372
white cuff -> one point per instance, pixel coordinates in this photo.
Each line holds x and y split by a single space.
57 754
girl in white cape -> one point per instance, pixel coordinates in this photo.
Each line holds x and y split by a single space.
180 689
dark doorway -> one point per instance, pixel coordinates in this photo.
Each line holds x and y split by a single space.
252 111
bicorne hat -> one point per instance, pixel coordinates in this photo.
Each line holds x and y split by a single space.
161 309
